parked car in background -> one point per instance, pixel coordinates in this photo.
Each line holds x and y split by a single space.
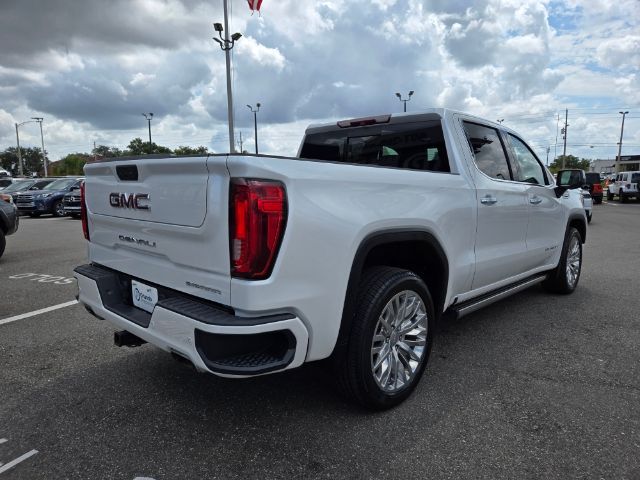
5 178
9 222
71 203
47 200
625 186
595 187
578 177
23 185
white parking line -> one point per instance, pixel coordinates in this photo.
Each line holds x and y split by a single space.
15 462
37 312
2 440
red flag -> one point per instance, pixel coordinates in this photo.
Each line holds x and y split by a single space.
254 5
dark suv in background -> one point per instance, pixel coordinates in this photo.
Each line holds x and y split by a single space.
595 187
47 200
22 186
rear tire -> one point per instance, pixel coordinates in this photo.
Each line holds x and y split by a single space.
390 339
3 242
623 197
609 195
597 201
589 215
564 278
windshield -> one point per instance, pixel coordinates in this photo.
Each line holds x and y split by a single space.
60 184
17 186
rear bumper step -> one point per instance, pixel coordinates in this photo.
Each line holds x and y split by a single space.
210 336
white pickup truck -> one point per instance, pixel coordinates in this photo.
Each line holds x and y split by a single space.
351 251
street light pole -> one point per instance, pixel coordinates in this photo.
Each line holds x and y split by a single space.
226 45
44 157
149 117
20 170
404 101
620 144
255 123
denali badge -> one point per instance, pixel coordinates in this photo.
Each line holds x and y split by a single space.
137 241
138 201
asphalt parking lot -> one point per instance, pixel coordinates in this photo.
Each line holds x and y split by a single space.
536 386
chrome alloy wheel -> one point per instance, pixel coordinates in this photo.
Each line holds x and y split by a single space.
574 255
399 341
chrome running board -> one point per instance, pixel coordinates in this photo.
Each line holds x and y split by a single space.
474 304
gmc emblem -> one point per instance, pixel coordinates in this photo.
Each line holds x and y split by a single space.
139 201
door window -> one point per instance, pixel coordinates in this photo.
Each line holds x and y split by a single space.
528 168
488 151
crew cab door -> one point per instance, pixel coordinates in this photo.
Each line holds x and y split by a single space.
545 231
503 213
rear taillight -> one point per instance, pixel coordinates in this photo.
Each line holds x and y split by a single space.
597 188
83 212
257 219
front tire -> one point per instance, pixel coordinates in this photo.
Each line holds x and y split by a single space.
564 278
58 209
589 215
623 197
609 195
390 339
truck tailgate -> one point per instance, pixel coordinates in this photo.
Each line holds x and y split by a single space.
163 220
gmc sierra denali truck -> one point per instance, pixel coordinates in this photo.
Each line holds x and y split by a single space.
351 251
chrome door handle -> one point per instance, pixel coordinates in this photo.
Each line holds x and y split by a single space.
488 200
535 200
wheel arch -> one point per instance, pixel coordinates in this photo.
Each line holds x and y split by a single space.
416 250
578 221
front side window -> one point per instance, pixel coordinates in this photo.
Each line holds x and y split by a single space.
528 168
488 151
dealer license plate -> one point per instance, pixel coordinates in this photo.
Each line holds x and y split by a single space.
144 296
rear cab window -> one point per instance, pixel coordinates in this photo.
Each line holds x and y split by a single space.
407 145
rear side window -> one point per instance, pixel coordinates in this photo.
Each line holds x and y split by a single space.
635 177
414 146
488 151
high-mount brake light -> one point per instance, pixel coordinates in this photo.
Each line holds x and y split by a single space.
361 122
257 220
83 212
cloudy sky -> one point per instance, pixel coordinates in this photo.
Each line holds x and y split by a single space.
91 67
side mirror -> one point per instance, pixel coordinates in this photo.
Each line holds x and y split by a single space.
571 179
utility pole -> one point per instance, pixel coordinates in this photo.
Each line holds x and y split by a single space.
20 170
548 150
620 143
555 146
240 141
226 45
44 157
148 116
255 122
564 130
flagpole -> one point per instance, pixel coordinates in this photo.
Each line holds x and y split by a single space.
227 56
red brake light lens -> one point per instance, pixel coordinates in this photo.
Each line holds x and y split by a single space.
257 220
83 212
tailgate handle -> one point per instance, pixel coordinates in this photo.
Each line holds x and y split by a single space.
128 173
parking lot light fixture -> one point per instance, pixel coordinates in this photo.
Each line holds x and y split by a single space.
255 122
44 156
404 100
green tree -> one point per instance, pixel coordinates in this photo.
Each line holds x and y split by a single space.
31 161
72 164
107 152
138 147
183 150
570 161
